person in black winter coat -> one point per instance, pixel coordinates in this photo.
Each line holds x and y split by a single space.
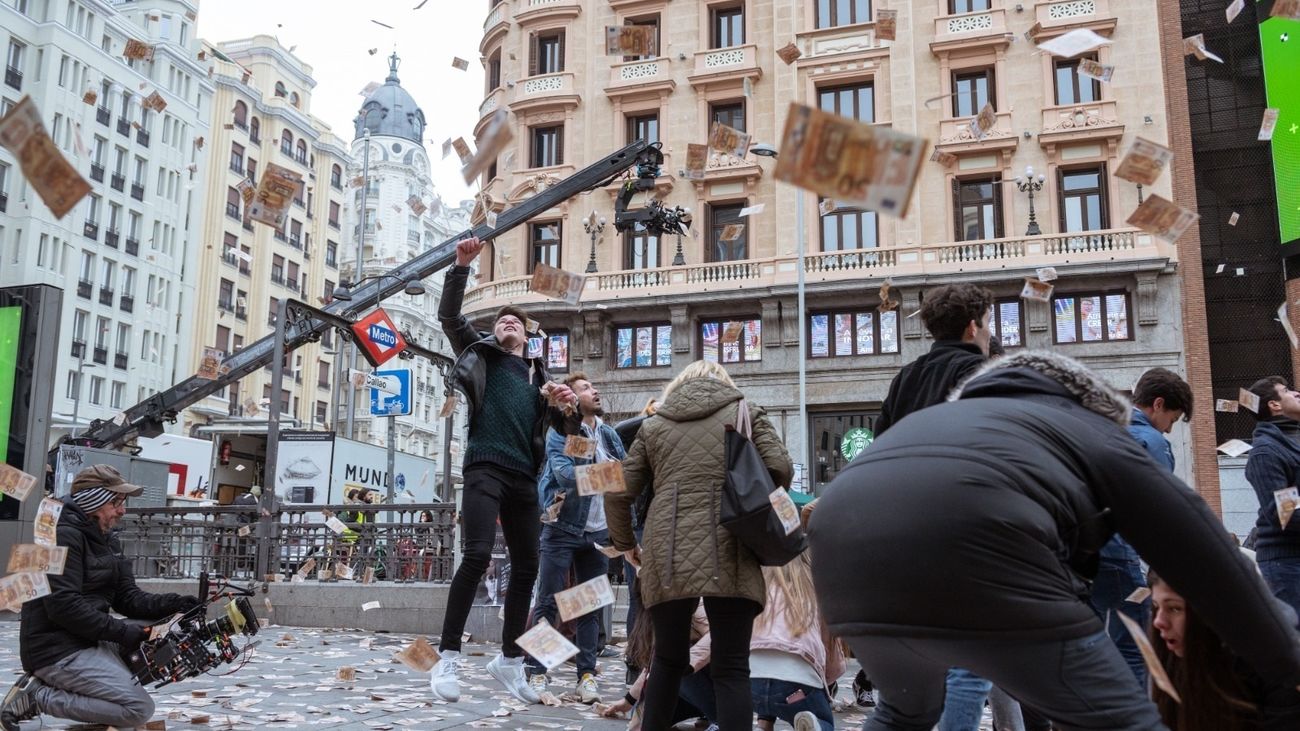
973 527
71 647
1273 470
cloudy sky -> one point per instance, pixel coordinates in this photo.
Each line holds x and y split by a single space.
334 38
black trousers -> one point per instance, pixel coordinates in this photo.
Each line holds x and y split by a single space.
491 493
731 623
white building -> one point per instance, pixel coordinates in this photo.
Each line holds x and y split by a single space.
125 256
395 232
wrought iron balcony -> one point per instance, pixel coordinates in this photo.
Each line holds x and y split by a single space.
137 191
120 360
14 78
96 172
110 238
105 296
102 115
127 303
90 230
101 355
123 127
85 288
133 247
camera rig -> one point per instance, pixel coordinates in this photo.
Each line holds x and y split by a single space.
655 218
194 644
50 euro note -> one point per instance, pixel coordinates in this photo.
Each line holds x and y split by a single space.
29 557
15 483
274 194
1096 70
1163 218
855 163
601 478
584 598
728 140
45 530
16 589
697 158
43 165
546 645
557 283
418 656
494 139
629 40
1144 162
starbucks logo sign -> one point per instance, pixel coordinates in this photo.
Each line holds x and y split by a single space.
854 441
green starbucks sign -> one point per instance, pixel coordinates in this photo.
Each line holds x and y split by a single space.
854 441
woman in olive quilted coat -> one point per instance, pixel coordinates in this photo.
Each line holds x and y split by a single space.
685 554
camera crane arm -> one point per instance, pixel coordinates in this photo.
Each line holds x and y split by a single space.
146 418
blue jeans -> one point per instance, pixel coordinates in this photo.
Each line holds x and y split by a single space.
561 551
1116 580
1282 575
963 702
770 701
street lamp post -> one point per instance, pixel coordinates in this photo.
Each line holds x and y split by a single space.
594 227
1030 184
76 399
357 268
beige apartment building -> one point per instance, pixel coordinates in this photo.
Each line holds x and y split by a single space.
652 306
261 114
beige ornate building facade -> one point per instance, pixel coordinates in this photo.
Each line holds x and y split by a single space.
1119 300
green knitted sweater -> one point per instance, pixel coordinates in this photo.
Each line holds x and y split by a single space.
501 431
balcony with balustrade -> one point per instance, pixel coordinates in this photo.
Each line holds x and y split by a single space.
725 66
1059 16
546 90
970 31
531 11
1079 254
640 77
1070 123
497 23
958 136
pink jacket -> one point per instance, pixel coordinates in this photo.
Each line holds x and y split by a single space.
815 645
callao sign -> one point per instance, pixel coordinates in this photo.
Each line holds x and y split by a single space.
379 338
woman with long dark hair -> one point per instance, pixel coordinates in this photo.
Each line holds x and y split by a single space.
1219 692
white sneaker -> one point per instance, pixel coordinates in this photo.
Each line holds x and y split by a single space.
509 671
444 678
806 721
588 691
538 682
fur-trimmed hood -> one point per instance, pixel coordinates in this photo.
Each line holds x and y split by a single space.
1028 371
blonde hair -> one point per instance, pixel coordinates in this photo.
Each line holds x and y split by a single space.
794 581
698 369
651 407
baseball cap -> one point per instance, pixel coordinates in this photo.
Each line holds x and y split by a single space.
102 475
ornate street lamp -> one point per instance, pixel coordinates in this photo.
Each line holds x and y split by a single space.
1030 184
594 226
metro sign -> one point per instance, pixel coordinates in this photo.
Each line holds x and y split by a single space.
379 338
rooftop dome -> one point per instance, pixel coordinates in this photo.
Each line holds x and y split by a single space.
391 111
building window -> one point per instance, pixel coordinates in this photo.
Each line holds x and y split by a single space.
651 21
640 250
721 216
854 333
1005 323
1090 318
336 176
333 221
255 130
977 203
494 71
1083 200
74 386
856 101
548 146
731 114
331 249
1071 88
241 115
280 89
831 13
286 143
237 157
226 297
545 245
728 26
741 341
958 7
973 89
847 228
643 127
553 348
643 346
547 55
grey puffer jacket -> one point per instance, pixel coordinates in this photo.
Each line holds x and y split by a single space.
680 455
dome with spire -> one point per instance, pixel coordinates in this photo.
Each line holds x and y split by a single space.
390 110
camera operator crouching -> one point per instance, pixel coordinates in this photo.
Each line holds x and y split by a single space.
71 647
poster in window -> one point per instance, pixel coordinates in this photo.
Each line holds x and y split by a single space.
866 333
557 353
1009 324
664 345
534 347
1117 316
1064 314
709 334
624 347
1090 315
731 350
844 335
754 340
820 344
889 331
644 346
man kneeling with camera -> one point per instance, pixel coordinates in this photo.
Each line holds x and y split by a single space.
72 649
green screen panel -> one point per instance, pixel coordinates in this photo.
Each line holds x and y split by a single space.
11 319
1280 46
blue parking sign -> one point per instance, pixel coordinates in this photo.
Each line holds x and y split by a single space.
387 404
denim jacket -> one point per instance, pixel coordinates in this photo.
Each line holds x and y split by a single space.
558 476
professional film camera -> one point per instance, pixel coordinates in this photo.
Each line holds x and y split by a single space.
654 218
192 644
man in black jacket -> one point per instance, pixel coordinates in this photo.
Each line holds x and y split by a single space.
70 646
507 395
972 527
1273 470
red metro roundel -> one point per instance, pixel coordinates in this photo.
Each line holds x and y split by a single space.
379 338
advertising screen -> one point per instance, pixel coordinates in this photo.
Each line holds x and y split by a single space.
1280 46
11 320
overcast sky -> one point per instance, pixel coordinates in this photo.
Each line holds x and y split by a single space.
334 38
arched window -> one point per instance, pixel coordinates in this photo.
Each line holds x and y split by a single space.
336 176
280 90
255 130
293 99
286 143
302 151
241 115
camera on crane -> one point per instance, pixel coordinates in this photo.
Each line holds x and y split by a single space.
654 218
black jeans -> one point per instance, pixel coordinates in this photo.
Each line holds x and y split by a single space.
1081 683
491 493
731 623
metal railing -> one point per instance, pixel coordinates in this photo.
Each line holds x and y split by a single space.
181 542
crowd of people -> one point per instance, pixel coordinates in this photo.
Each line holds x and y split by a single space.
990 547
